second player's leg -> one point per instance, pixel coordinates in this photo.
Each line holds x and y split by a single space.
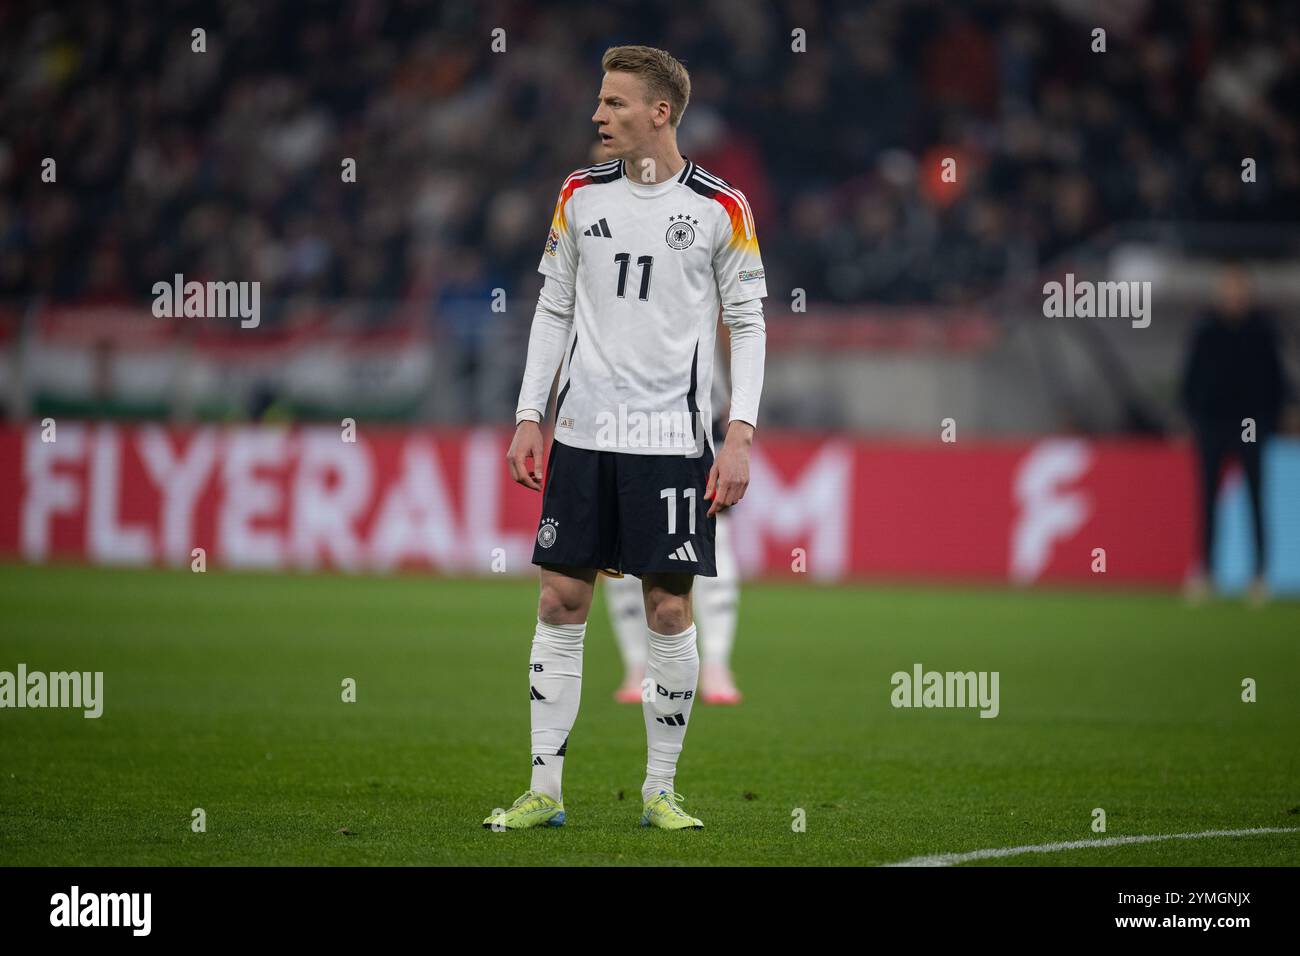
1211 454
716 604
626 606
1252 463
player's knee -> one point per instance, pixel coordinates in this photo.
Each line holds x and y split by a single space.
669 613
561 605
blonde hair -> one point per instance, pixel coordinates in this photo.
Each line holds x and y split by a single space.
664 77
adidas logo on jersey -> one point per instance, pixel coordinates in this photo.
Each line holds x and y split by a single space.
600 229
684 553
673 720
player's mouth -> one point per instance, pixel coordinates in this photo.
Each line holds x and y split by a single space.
606 139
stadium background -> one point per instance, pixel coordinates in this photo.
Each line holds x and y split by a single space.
921 300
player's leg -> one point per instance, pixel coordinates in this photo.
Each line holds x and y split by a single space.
1252 463
673 669
576 534
716 602
666 539
1210 452
554 692
627 617
555 670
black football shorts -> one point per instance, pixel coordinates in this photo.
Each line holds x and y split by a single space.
620 512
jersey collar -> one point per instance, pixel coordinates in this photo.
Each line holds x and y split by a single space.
650 190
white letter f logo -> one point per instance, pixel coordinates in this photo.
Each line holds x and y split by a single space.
1045 512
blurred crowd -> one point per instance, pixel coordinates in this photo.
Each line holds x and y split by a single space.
227 164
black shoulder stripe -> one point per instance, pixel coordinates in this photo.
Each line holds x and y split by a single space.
599 174
594 170
701 187
701 173
722 187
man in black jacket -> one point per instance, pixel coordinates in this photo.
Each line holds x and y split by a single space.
1233 391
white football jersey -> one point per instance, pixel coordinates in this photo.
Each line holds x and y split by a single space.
650 265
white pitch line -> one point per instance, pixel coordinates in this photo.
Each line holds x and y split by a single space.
950 859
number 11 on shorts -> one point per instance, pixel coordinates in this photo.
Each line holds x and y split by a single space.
671 495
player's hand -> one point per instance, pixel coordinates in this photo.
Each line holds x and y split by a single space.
525 447
729 476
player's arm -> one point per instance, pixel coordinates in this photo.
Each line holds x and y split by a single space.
738 269
551 329
730 475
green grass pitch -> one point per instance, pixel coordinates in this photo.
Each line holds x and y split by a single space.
223 691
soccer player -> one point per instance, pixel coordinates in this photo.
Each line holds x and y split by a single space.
643 250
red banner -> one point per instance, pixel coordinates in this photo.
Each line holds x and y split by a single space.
1052 510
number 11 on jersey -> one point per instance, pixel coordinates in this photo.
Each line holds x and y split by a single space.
645 262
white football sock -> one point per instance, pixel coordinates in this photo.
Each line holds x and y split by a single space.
555 688
674 666
716 601
626 606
